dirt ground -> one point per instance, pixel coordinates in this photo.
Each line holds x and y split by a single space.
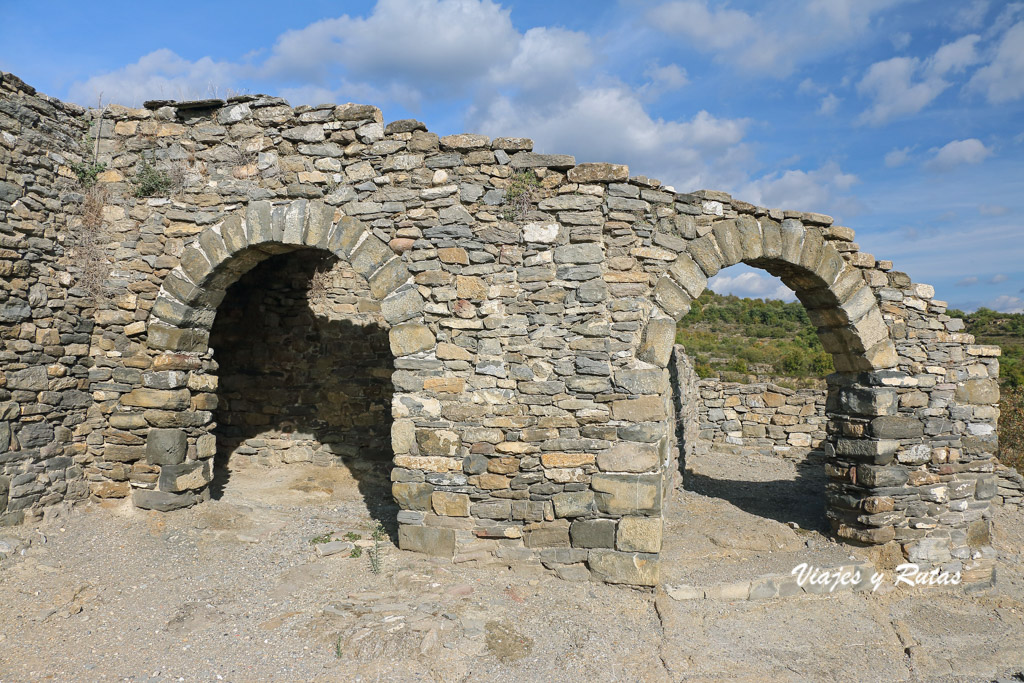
234 590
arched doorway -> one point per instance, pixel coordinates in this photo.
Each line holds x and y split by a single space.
184 437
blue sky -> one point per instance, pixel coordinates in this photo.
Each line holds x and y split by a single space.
904 119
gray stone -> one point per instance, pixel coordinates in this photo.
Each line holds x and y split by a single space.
166 446
435 541
162 501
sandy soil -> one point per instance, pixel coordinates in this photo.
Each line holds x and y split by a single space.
235 590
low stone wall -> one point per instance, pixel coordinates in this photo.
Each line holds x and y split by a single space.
762 418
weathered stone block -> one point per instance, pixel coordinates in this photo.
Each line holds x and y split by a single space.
437 441
412 496
185 476
672 298
593 533
868 400
158 398
687 273
641 409
978 392
547 535
573 504
388 278
656 342
409 338
369 256
639 534
897 427
625 494
635 569
599 173
402 305
436 541
166 446
870 475
879 452
449 504
646 381
587 252
629 457
162 501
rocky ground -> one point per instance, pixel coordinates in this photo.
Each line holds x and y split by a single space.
235 590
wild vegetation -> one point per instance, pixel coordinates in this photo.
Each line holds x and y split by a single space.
732 338
1006 330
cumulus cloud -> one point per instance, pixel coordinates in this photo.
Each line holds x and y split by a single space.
608 123
972 14
763 41
1006 303
750 284
902 86
432 43
897 157
829 105
970 151
662 79
1002 80
821 189
161 74
891 84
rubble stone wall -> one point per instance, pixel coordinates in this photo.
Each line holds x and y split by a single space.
530 303
760 418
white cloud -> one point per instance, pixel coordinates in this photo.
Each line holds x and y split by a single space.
993 210
764 41
750 284
997 278
957 152
967 282
891 85
665 78
1002 80
161 74
432 43
1006 303
956 56
829 105
897 157
972 15
900 40
546 62
902 86
818 190
609 123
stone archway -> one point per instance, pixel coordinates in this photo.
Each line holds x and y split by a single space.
865 432
179 392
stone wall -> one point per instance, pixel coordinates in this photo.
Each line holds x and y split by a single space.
760 418
45 322
531 305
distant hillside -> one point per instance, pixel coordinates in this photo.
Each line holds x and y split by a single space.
733 338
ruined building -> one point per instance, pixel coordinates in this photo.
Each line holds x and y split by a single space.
312 284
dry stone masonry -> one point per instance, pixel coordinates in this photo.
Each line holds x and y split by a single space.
760 418
529 305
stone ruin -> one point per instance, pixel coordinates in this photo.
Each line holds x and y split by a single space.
497 324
